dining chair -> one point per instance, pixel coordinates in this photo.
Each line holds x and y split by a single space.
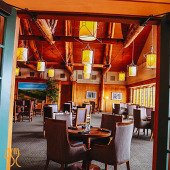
139 123
89 111
81 117
39 108
118 150
28 110
59 148
67 107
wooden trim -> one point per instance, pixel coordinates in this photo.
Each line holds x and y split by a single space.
142 83
72 39
100 17
5 8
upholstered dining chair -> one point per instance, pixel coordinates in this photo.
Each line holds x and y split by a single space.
67 107
89 111
81 117
138 122
108 122
59 148
28 110
118 150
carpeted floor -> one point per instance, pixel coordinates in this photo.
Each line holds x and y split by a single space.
28 137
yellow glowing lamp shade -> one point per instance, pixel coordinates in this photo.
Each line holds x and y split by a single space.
86 75
132 70
151 60
40 66
87 68
121 76
50 72
88 30
22 54
17 71
87 57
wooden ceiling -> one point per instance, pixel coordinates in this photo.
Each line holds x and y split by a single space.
63 48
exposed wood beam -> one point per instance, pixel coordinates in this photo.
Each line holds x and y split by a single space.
45 30
31 66
135 30
72 39
69 49
93 65
32 42
100 17
5 9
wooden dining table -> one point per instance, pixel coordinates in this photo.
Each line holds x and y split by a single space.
94 132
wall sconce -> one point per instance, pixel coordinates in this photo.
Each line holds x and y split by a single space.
50 72
40 66
87 30
22 54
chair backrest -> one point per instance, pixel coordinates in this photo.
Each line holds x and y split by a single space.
67 107
148 111
93 106
48 112
137 117
57 139
122 141
54 107
117 106
143 112
19 102
67 117
109 121
88 107
130 109
81 116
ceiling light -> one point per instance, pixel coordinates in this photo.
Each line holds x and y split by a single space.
50 72
22 54
121 76
40 66
87 30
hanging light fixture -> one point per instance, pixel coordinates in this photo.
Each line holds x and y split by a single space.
40 66
17 71
22 54
87 30
87 55
87 68
86 75
121 76
132 68
151 56
50 72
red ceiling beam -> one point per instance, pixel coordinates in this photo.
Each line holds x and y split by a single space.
79 16
72 39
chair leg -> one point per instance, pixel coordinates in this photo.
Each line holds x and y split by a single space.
106 167
115 167
47 163
128 165
138 132
147 132
62 167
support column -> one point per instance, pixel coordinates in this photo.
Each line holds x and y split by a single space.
102 93
7 87
160 156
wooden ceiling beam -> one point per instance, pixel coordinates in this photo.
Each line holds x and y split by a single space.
100 17
45 30
93 65
31 66
32 43
72 39
69 49
135 30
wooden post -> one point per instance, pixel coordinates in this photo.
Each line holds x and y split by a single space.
59 95
101 106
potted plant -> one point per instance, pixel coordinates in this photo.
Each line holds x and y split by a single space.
52 91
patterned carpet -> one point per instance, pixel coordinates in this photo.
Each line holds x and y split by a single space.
28 137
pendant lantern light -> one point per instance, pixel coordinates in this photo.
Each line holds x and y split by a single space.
17 71
40 66
151 56
87 56
121 76
132 68
87 30
87 68
86 75
50 72
22 54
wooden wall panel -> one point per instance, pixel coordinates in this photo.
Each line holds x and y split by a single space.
80 93
108 89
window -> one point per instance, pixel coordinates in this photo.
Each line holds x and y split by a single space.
143 95
91 95
116 96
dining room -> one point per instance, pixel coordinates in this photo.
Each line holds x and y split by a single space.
86 87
